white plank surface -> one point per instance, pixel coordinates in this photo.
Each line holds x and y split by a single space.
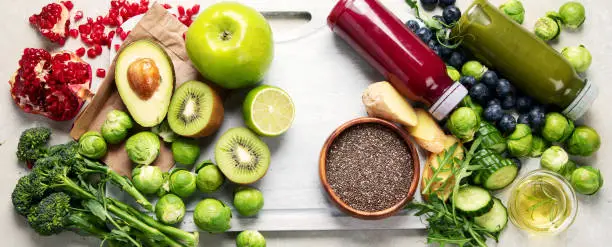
325 78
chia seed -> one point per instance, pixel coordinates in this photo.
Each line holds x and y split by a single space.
369 167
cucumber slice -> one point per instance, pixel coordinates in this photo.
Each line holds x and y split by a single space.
498 175
496 219
491 138
473 201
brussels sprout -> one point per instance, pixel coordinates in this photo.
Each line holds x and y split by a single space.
92 145
182 183
586 180
468 102
572 14
557 128
209 177
248 201
115 127
514 9
578 56
165 188
547 28
212 215
474 69
170 209
519 142
453 73
164 131
147 179
143 148
555 159
584 141
185 151
538 145
463 123
250 238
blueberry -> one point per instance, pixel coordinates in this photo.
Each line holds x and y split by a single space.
424 34
507 123
413 25
433 44
429 3
524 119
494 102
451 14
445 52
439 18
508 102
445 3
523 103
517 162
493 113
537 116
504 88
480 92
456 59
467 81
490 79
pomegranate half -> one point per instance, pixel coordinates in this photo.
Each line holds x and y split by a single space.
53 85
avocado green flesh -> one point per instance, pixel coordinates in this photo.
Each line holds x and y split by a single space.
152 111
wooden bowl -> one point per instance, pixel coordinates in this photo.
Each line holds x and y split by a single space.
336 199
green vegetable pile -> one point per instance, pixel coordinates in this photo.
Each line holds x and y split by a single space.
66 192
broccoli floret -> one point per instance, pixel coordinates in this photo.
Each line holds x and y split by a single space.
26 194
32 144
49 217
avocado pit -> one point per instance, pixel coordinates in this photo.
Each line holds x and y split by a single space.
143 77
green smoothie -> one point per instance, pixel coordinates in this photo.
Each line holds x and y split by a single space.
528 62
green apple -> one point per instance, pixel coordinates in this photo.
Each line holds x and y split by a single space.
231 44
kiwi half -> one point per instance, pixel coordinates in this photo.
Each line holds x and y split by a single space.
241 156
195 110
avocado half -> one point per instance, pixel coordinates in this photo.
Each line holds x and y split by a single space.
144 75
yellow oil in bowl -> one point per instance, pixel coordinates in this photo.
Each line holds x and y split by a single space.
542 202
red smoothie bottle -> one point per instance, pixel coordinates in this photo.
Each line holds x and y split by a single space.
397 53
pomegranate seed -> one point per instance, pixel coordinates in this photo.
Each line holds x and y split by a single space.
98 49
85 29
74 33
78 15
195 9
117 46
91 53
99 19
80 52
69 5
181 10
167 6
188 12
101 73
123 35
110 35
184 35
90 20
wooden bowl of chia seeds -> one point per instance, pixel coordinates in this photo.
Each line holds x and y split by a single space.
370 168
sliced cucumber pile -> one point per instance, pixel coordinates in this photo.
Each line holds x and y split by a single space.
497 172
496 219
473 201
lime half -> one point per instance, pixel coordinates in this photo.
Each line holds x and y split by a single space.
268 110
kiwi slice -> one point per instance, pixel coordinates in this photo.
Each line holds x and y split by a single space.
241 156
195 110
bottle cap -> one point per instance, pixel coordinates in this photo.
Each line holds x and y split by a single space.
582 102
449 100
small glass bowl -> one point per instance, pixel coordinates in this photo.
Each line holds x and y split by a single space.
565 206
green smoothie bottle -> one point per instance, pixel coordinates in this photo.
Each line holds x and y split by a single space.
527 61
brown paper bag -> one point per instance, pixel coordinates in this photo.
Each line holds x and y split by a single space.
160 26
